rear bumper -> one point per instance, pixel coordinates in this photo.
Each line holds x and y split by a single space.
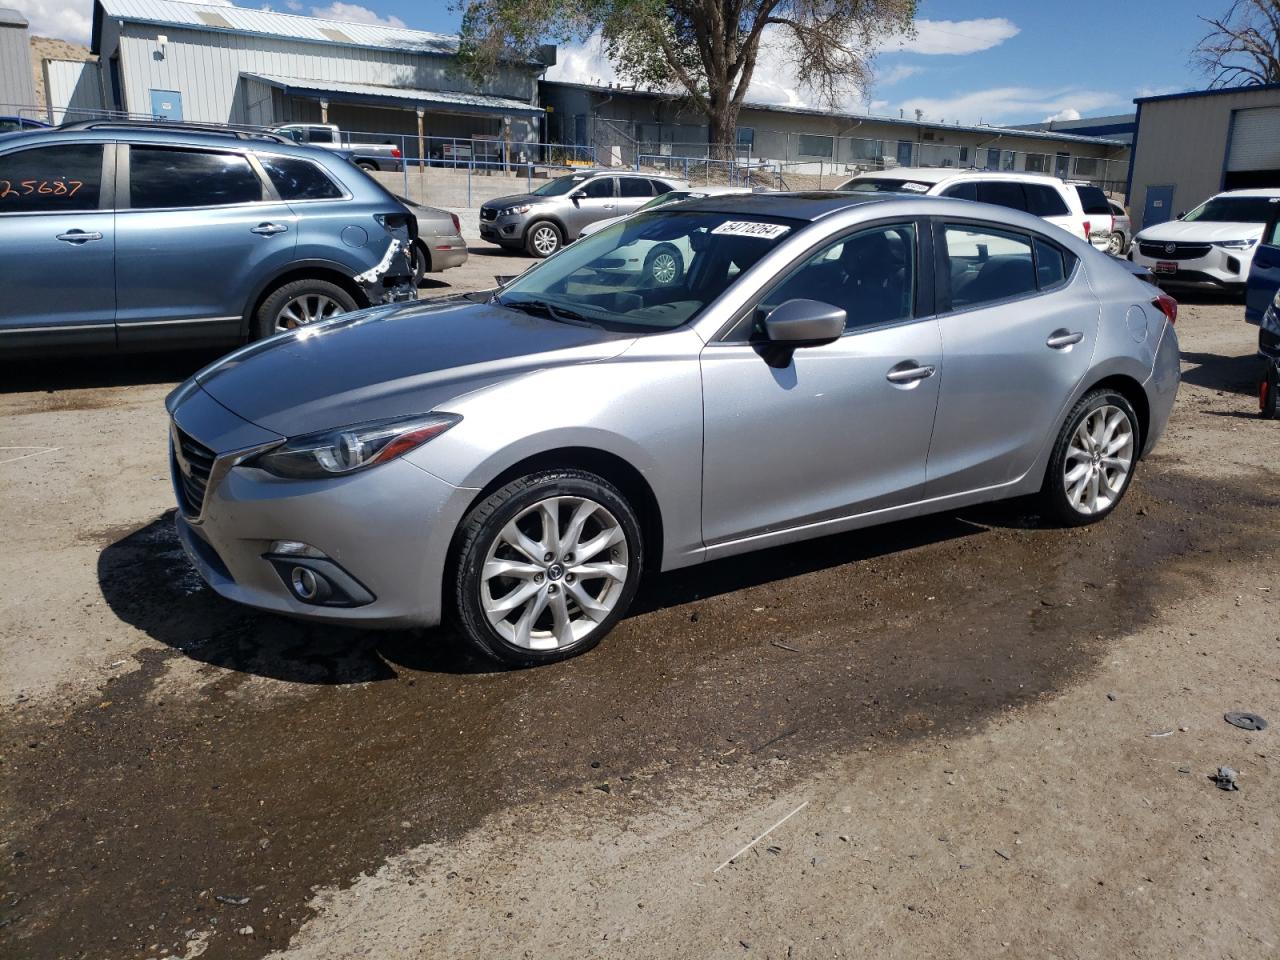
445 252
1162 386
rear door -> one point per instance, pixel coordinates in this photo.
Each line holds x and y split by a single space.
633 193
1264 276
199 230
1018 330
57 246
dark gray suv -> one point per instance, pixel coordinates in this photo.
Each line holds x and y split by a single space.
142 236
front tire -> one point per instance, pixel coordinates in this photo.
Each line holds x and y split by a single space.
1093 460
664 267
543 239
298 303
545 566
1268 401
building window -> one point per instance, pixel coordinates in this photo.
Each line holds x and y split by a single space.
746 136
964 155
1089 167
812 145
1037 163
1062 165
993 159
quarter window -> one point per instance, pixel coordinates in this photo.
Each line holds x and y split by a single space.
659 188
298 179
634 187
51 179
1051 264
871 275
160 177
987 265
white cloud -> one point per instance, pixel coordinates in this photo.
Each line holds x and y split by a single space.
583 63
1010 104
1070 113
293 5
896 73
64 19
958 36
354 13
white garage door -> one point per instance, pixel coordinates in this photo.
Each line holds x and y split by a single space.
1255 140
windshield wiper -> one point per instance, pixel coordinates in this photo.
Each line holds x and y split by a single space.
550 311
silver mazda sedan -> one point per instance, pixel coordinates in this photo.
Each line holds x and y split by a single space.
514 461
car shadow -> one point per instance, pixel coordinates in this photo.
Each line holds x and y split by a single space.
1216 372
147 581
105 370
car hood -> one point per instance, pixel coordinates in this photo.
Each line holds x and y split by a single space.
393 361
500 202
1200 232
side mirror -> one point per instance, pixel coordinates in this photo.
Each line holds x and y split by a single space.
799 323
1181 214
578 195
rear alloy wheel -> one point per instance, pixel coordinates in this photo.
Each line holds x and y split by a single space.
300 303
664 267
1115 246
546 566
1093 460
543 239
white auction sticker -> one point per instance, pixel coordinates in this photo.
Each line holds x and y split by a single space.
915 187
747 228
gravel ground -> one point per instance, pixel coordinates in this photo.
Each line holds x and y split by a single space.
971 736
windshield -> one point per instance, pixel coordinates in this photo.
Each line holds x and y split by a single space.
652 271
671 196
1234 210
883 185
560 185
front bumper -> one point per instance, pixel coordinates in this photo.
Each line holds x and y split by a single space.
1220 268
506 231
388 529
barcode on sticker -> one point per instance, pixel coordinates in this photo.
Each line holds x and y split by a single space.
748 228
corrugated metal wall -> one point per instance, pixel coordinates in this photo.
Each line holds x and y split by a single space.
17 82
73 89
205 68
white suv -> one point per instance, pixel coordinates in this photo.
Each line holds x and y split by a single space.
1036 193
1212 246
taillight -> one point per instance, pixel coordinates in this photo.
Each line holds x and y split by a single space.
1167 305
1087 231
457 224
395 152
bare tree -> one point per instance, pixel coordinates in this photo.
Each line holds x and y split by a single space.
709 49
1242 47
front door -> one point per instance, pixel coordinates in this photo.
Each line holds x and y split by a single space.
594 200
838 430
1016 342
196 236
1159 206
57 236
166 104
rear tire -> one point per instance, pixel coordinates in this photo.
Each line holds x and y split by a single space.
543 239
299 303
1093 460
421 265
520 593
367 165
1116 246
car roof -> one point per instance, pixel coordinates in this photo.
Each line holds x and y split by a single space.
157 135
938 174
1256 192
813 205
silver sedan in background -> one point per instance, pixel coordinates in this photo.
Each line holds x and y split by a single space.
513 462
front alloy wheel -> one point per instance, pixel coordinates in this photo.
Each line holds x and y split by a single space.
546 566
1093 460
543 239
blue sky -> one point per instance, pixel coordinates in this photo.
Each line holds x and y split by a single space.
998 61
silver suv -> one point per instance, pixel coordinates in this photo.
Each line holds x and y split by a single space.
543 221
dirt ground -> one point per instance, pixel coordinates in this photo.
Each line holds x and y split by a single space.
964 736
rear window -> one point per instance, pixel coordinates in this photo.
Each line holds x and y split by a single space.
1044 201
161 177
1094 200
884 185
296 179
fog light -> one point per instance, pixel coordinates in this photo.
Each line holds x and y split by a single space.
309 585
1233 264
294 548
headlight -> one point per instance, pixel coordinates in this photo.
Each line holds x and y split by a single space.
1275 301
1234 244
515 211
349 449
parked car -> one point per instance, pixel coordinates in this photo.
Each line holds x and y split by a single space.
1212 246
1262 307
327 136
438 244
541 222
1121 230
1044 196
137 236
516 463
14 124
1098 213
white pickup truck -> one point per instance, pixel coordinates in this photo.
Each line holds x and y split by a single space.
370 156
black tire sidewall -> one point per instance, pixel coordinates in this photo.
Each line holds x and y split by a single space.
657 252
486 520
528 239
1271 408
1054 500
264 321
421 264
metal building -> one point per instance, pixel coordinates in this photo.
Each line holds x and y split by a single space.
1189 146
17 82
227 64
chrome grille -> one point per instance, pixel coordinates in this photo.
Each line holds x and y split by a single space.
192 462
1181 251
488 213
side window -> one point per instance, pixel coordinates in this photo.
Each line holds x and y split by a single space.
298 179
599 188
870 274
1273 234
634 187
1044 201
659 188
1052 264
51 179
161 177
962 191
319 135
1003 193
987 265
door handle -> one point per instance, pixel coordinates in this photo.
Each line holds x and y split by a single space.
268 229
1061 339
78 236
909 372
